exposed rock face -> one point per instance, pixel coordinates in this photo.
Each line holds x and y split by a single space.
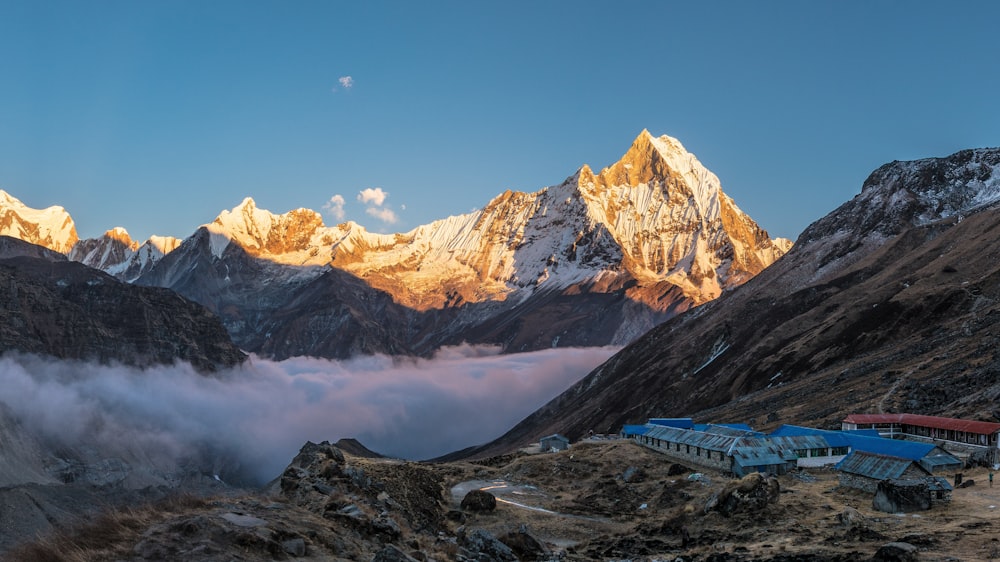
890 303
117 254
69 311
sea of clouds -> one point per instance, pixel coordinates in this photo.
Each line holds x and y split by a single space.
258 415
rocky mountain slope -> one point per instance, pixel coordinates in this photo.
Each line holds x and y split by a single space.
889 303
632 245
58 308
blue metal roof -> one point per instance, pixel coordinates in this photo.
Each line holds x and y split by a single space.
832 438
909 450
873 465
795 442
865 432
634 429
742 426
683 423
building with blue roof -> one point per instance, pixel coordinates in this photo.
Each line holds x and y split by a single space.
737 449
682 423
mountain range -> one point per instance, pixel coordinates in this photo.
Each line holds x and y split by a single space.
891 303
598 259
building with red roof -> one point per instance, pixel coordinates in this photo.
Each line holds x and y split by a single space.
968 436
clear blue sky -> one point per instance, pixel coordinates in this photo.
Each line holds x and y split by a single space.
156 115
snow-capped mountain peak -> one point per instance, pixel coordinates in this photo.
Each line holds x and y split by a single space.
286 238
51 227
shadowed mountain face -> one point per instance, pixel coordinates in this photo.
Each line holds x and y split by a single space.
890 303
595 260
51 306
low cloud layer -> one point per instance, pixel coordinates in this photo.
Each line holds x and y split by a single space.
262 413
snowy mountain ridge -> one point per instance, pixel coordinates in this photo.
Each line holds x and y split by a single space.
597 259
656 215
52 227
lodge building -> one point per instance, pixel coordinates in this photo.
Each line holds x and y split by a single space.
960 436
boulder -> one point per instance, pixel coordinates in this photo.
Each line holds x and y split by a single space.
526 547
751 493
392 553
851 518
482 545
896 552
677 469
479 500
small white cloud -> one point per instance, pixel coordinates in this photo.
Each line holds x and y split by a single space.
402 207
383 214
335 206
372 195
346 82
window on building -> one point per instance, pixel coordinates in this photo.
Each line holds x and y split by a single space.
837 451
801 453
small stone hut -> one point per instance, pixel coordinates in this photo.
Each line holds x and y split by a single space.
554 442
905 496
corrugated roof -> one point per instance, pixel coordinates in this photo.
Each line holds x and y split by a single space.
940 460
710 441
734 430
933 483
879 467
759 452
970 426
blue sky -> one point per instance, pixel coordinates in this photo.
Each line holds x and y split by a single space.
156 115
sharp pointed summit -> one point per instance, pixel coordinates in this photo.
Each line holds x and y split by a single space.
644 239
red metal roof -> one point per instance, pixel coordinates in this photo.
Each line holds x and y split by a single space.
969 426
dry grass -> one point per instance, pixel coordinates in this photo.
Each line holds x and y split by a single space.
109 536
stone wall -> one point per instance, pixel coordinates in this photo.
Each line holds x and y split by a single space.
689 454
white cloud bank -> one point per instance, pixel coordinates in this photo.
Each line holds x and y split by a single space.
260 414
